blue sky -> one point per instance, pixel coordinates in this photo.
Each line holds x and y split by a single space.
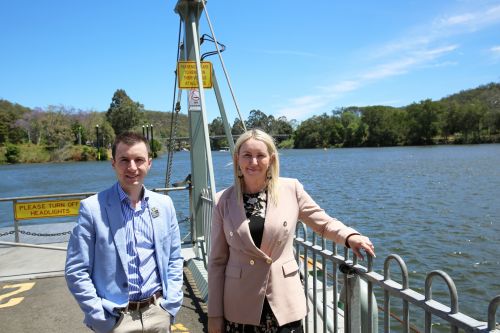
291 58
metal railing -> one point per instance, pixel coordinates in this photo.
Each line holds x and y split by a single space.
17 231
311 253
207 208
347 303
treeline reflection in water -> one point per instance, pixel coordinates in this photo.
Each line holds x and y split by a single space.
437 207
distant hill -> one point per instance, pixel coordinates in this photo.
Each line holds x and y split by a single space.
489 94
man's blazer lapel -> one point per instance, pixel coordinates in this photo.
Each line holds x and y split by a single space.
116 224
161 221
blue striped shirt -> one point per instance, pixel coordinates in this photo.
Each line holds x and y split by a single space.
143 276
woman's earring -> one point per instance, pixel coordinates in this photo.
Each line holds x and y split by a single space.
239 173
268 173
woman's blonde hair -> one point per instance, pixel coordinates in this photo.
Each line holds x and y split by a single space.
274 167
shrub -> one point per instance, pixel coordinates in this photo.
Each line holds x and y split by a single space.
12 153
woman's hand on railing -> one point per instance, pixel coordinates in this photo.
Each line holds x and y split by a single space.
215 324
358 242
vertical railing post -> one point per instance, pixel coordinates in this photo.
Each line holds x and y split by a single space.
428 297
387 301
16 222
306 284
315 284
492 310
324 283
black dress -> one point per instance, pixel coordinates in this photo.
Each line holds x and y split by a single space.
255 208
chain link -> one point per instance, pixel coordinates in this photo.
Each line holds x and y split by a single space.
7 233
35 233
28 233
43 234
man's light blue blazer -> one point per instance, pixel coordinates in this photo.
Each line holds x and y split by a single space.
96 263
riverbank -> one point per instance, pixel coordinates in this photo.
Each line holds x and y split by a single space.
31 153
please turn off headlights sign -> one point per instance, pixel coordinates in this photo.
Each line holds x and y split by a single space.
187 74
44 209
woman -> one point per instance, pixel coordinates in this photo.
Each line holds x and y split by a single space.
253 277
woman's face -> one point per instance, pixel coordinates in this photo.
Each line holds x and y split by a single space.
254 160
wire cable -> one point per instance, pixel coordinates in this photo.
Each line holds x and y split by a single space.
223 65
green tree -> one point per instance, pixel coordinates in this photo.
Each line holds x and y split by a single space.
383 126
12 153
216 128
471 120
258 119
317 132
9 115
449 119
422 122
237 127
352 129
55 126
123 113
280 126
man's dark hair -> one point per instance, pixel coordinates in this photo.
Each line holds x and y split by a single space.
130 139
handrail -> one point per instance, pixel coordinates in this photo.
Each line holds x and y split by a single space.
28 199
85 194
456 319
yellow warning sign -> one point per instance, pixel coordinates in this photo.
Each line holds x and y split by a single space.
187 74
41 209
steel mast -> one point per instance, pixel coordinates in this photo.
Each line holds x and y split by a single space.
202 175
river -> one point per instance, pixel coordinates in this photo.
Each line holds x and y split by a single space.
438 207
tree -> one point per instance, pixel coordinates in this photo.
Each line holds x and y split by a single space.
123 113
56 127
280 126
9 114
449 119
423 122
216 127
237 127
316 132
258 119
471 119
353 132
383 126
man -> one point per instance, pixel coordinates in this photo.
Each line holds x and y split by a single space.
124 263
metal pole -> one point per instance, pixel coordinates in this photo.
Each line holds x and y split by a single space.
16 222
201 158
97 142
151 143
227 128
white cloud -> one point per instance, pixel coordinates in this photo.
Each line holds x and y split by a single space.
425 48
494 53
471 21
456 20
342 87
301 107
495 50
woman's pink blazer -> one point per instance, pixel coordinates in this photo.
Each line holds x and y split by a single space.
240 275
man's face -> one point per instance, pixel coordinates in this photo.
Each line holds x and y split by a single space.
131 164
